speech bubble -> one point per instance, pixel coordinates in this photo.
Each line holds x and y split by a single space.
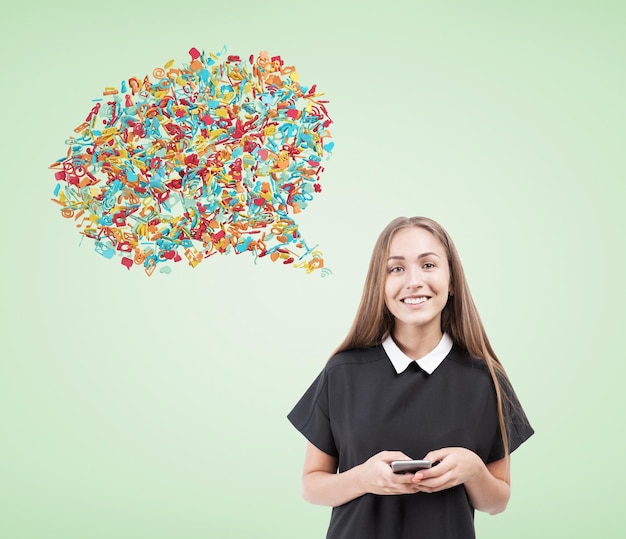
217 156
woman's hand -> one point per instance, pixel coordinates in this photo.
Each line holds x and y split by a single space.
322 484
488 486
456 465
376 477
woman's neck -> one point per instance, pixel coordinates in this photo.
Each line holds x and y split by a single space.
414 342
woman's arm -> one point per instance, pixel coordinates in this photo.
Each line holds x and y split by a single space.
321 484
488 486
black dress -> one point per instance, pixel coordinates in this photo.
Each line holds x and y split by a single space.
359 406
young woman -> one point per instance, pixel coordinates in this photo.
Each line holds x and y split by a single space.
416 378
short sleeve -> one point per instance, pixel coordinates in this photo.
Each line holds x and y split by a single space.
312 418
517 424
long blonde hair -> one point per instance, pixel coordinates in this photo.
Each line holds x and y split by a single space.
459 318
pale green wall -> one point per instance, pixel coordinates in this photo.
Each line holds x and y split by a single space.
124 398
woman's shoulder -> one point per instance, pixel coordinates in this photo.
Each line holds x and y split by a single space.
478 367
468 366
355 357
460 356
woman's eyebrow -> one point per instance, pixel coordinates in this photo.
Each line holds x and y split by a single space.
422 255
430 253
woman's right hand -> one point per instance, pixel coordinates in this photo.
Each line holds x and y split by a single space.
322 484
376 477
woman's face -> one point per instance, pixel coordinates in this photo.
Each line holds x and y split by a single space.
417 280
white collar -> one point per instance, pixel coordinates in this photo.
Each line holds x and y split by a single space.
428 363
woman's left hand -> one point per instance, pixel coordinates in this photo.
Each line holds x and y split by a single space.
456 465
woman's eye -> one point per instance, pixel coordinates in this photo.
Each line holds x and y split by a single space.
395 269
429 265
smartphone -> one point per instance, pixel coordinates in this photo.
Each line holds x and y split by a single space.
409 466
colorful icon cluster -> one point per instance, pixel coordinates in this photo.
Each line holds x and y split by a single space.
216 156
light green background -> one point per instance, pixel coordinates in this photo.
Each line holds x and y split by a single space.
135 407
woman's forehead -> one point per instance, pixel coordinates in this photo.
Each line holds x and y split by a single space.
415 240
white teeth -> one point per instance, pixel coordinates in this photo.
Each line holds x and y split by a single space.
414 301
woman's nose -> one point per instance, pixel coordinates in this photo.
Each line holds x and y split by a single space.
414 278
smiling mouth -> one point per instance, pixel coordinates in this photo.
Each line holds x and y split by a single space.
415 301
